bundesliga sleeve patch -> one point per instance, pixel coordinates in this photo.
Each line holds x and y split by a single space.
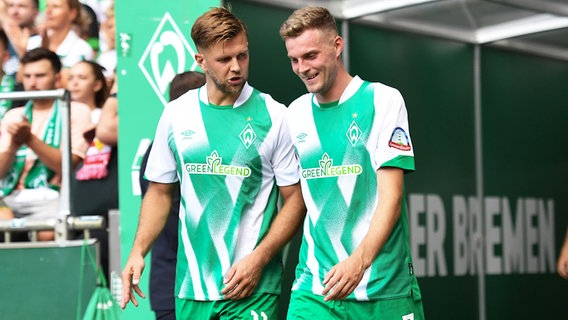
399 140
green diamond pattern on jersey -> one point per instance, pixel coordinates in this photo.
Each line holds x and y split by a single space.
340 149
227 160
214 232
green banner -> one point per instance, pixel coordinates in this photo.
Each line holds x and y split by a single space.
153 45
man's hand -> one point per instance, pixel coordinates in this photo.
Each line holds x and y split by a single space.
130 280
17 35
562 266
21 131
243 277
343 278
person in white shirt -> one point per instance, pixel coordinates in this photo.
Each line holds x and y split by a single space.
59 36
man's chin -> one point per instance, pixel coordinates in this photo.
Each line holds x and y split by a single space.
237 88
311 88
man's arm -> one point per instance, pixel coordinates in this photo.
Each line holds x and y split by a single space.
153 215
243 277
562 267
107 128
344 277
47 154
6 160
8 146
22 134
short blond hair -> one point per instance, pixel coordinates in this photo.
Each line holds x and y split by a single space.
308 18
214 26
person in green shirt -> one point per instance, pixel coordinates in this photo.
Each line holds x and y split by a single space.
227 146
7 83
353 142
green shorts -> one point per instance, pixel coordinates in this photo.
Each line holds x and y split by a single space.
261 306
308 306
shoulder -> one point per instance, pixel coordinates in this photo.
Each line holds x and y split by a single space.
79 109
384 91
34 42
13 115
255 96
272 104
302 102
186 100
73 45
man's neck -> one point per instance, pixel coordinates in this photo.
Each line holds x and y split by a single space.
42 104
341 82
220 98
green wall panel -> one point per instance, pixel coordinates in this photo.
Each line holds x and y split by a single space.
525 169
153 45
435 78
270 69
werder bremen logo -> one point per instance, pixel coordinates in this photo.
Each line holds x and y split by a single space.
353 133
214 166
167 54
247 135
326 169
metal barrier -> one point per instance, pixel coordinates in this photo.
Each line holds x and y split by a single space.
63 223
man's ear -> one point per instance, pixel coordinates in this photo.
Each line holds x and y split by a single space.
338 45
200 60
59 80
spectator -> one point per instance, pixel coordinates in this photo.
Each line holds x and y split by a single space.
99 7
107 56
89 31
6 82
19 24
107 127
87 84
30 158
99 170
60 37
164 250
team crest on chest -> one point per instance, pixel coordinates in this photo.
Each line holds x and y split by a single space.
247 135
353 133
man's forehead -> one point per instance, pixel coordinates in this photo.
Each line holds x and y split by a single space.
227 48
40 66
26 3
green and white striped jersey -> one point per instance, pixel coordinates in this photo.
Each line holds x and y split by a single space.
229 162
340 147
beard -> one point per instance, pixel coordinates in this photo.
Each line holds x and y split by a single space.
225 87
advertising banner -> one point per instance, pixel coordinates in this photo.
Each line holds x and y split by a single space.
153 45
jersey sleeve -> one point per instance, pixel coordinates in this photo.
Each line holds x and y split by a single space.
284 161
161 166
394 148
